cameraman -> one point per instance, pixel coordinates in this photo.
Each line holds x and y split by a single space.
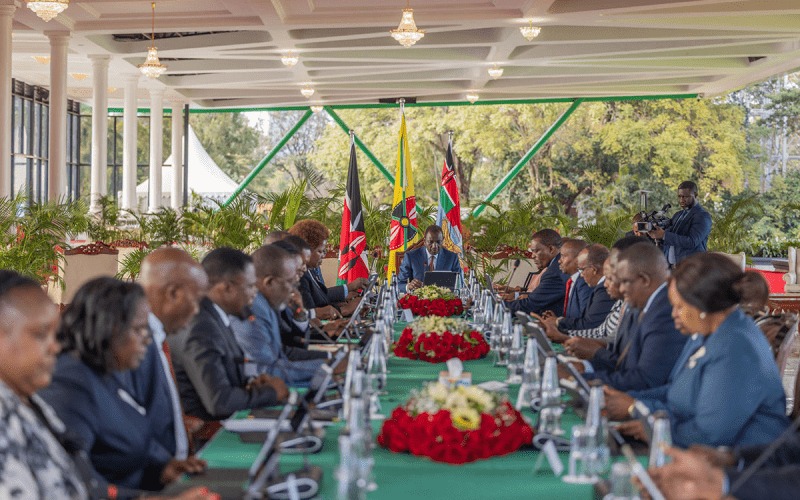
687 231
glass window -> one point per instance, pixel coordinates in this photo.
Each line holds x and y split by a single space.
16 145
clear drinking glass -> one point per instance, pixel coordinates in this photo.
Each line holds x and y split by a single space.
621 485
580 470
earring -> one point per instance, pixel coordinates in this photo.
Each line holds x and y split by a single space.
702 315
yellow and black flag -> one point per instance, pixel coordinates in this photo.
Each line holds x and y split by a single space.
404 231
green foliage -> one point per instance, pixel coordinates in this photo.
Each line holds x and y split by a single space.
105 225
238 225
729 230
605 230
31 235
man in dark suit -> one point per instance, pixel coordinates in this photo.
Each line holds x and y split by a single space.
549 295
577 290
431 257
208 362
173 284
688 230
654 343
590 265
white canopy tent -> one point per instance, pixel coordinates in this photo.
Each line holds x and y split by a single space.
205 178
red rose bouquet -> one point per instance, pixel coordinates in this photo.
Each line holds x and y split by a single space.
455 426
435 339
432 300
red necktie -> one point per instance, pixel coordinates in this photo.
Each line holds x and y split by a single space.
566 297
430 266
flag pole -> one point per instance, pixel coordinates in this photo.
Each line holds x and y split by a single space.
402 102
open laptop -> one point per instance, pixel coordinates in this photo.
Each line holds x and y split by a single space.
444 279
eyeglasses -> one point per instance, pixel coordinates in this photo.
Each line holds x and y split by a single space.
582 269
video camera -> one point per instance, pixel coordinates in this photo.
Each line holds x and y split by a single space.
654 219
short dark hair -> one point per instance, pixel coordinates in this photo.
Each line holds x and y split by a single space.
433 229
753 290
628 241
645 258
709 281
223 263
11 280
596 254
290 249
274 236
297 241
688 185
574 243
99 315
548 238
269 260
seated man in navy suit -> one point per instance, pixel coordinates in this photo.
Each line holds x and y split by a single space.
577 290
688 229
654 343
431 257
549 295
590 265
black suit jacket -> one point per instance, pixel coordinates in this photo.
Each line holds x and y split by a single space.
293 339
549 295
208 364
598 307
316 294
606 358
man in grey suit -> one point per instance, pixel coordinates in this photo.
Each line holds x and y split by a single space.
208 362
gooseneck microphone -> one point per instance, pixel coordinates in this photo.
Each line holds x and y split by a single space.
516 265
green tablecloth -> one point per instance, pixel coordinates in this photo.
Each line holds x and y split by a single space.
404 476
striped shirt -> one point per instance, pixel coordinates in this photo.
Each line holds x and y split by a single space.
607 330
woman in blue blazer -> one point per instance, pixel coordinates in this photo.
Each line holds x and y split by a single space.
105 331
725 389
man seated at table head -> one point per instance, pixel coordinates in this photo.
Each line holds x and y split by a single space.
549 295
259 336
577 290
432 256
208 362
590 263
654 343
173 284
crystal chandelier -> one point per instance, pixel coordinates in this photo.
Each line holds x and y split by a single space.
495 72
42 59
472 96
289 60
152 67
317 108
407 33
307 91
48 9
79 76
530 32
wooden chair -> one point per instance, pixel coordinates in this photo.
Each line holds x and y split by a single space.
81 264
126 247
398 256
778 303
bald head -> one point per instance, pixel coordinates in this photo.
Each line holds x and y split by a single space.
173 283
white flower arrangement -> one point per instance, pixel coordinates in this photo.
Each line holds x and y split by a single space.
464 403
432 292
438 325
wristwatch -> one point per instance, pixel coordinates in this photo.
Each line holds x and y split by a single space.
632 408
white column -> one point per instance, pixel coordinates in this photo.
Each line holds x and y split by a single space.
99 129
129 145
156 146
6 16
177 156
57 164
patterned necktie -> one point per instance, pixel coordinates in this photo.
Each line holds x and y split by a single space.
566 296
431 265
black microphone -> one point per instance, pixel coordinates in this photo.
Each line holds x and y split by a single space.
516 265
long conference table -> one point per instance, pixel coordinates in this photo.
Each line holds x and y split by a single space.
405 476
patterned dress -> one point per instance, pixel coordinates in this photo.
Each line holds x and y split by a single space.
33 464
